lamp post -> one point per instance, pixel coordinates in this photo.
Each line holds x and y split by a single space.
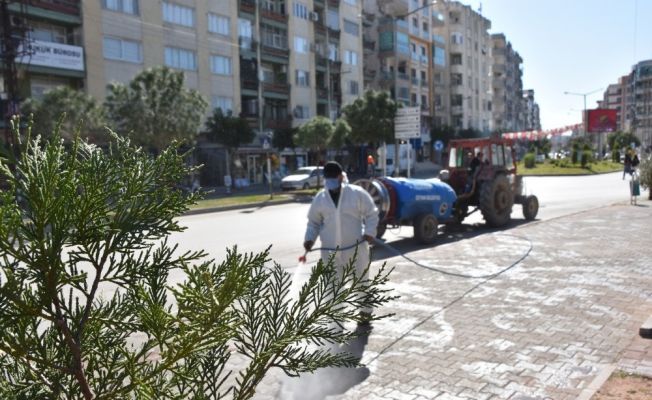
585 117
395 18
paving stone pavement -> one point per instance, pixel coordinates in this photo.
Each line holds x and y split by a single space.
566 305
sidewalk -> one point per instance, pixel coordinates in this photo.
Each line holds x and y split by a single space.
565 314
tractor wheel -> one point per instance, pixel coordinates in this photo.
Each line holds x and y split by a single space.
496 200
380 230
530 207
426 227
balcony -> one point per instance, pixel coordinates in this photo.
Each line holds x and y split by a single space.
249 84
276 87
72 7
284 123
386 76
368 44
403 76
457 110
394 7
334 3
274 15
248 6
369 74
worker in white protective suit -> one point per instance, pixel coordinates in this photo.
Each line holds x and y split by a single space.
342 215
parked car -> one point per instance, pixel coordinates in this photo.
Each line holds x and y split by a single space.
303 178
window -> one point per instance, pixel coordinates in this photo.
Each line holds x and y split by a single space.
219 24
302 78
423 76
457 38
351 27
179 15
351 2
440 56
124 6
354 88
46 32
221 65
333 20
223 103
350 57
122 50
301 44
402 43
180 58
302 112
332 52
300 10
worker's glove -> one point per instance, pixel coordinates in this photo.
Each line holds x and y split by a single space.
308 245
370 239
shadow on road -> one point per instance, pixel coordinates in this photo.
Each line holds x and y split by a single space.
328 381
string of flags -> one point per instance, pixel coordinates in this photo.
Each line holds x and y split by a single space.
541 134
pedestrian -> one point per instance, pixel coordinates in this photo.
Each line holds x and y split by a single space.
371 163
344 217
627 169
635 161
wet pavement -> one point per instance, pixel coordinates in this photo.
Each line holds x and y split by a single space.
559 309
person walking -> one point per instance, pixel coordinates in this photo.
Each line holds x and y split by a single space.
627 168
345 219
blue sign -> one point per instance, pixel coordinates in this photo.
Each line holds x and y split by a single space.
439 145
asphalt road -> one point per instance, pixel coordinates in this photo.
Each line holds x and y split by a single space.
282 226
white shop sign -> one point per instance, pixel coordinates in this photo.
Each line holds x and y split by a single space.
54 55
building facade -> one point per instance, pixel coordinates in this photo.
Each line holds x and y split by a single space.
507 86
469 66
42 49
640 88
531 117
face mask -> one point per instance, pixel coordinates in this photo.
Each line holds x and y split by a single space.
331 183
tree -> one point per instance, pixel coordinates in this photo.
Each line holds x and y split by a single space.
74 109
620 140
86 308
315 135
371 117
230 131
341 134
284 138
155 108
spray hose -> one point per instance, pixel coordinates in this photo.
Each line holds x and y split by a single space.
396 252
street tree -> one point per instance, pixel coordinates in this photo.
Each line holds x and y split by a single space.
341 135
155 108
72 108
284 138
86 305
230 131
371 117
621 140
315 135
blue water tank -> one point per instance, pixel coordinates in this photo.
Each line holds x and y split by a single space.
421 196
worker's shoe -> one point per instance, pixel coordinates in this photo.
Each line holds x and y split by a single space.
364 318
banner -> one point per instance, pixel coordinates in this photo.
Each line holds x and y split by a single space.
602 120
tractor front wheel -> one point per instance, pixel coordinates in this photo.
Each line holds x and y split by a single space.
426 228
530 207
496 201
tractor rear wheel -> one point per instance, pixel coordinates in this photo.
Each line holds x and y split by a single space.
496 201
530 207
426 228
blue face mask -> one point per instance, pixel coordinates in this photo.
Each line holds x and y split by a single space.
331 183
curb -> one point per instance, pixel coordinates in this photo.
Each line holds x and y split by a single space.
246 205
645 331
597 383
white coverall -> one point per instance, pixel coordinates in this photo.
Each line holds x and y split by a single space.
356 215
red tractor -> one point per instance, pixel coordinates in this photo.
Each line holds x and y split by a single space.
494 187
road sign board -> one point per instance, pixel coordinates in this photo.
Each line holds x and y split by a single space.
439 145
407 111
407 127
407 135
407 119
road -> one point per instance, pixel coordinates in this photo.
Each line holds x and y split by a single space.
282 226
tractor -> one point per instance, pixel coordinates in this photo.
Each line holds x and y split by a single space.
494 187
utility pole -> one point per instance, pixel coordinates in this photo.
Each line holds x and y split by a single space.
261 104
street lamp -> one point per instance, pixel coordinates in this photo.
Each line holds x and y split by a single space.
584 116
395 18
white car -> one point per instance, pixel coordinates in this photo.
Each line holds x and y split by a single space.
303 178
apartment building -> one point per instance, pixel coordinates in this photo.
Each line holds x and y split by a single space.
278 63
615 98
45 50
469 65
530 112
640 86
507 105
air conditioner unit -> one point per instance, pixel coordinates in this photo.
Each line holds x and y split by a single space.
314 16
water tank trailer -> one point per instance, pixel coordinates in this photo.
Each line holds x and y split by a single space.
421 203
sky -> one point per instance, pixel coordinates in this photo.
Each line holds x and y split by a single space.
576 46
